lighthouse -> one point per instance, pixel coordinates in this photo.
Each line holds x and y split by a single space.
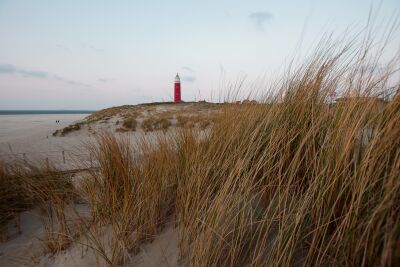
177 89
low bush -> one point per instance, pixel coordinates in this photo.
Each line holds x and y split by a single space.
155 124
162 124
130 123
190 121
148 124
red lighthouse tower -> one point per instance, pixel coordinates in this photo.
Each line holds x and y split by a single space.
177 89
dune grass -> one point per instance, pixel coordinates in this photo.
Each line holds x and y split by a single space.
296 180
293 182
27 185
299 179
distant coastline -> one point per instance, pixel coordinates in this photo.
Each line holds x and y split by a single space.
38 112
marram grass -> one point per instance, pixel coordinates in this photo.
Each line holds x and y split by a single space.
295 180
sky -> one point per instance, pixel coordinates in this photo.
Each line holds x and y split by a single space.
95 54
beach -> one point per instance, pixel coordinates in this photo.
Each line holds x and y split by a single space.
32 134
16 128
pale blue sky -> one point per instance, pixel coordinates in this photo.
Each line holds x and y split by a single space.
80 54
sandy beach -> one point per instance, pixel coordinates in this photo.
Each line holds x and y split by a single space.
32 135
16 128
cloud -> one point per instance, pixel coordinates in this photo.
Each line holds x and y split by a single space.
187 78
105 80
11 69
71 82
260 18
92 47
63 47
188 69
4 68
77 83
96 49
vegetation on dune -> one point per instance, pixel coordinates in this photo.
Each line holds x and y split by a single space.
294 183
71 128
300 180
137 110
155 124
68 129
13 199
190 121
130 123
24 186
132 189
162 122
295 180
108 113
